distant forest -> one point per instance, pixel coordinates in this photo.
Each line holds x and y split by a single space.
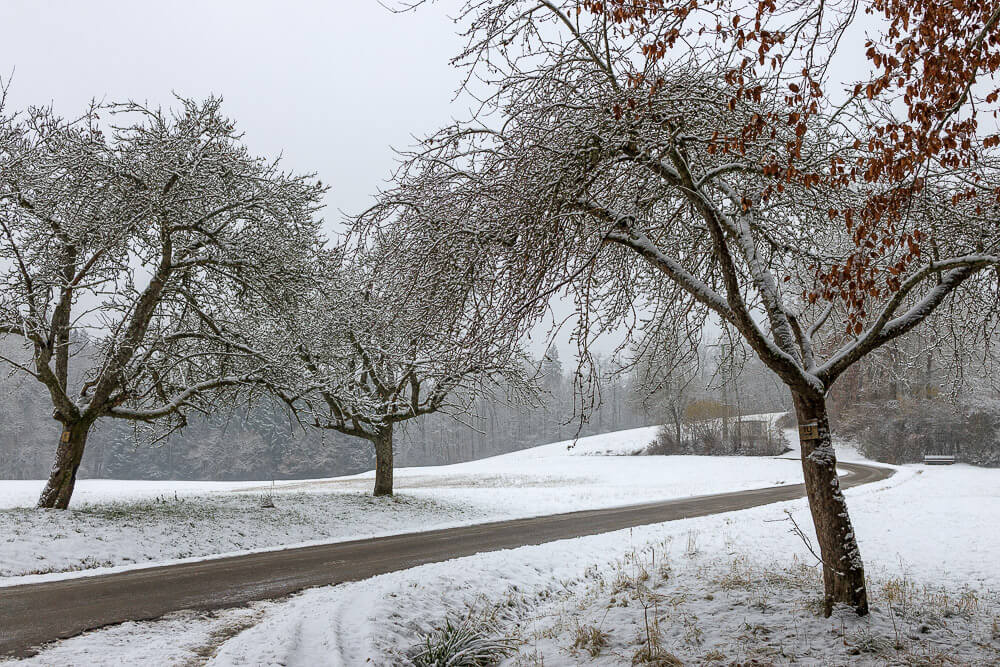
263 442
887 406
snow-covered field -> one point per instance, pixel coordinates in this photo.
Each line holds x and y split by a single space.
124 523
731 587
720 589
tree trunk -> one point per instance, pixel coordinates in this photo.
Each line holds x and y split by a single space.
725 417
62 477
843 571
383 460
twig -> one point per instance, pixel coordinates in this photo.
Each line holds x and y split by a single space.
797 530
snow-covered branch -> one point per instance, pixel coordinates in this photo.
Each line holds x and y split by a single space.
950 274
182 399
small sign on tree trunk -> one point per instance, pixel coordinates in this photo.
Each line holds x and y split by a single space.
65 436
809 431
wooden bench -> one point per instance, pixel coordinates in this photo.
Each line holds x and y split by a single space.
939 459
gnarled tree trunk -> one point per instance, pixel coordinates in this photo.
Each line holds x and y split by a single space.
383 460
843 571
62 478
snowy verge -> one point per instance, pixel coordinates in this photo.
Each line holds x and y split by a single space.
118 524
746 591
320 627
920 531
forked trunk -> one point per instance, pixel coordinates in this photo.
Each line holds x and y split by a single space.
383 461
843 571
59 489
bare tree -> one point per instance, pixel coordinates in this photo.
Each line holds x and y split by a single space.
388 335
138 229
668 368
685 190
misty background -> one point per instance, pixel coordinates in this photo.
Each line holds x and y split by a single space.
332 88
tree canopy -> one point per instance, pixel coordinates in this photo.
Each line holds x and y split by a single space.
137 226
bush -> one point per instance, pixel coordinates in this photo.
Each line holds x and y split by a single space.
787 420
666 443
705 438
903 431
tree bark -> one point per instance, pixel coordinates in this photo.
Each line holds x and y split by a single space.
843 570
62 478
383 460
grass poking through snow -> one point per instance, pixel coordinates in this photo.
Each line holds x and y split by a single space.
126 532
676 605
477 639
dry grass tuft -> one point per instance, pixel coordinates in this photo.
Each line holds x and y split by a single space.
591 639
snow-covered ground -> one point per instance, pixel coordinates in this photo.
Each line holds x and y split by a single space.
730 587
124 523
724 588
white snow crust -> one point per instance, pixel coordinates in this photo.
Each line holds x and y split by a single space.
114 524
929 527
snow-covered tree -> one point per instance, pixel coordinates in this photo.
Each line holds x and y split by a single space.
388 335
138 227
657 185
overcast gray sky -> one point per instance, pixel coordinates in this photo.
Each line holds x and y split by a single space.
331 83
334 85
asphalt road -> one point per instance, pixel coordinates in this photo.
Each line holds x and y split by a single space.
32 614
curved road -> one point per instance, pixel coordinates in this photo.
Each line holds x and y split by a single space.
32 614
